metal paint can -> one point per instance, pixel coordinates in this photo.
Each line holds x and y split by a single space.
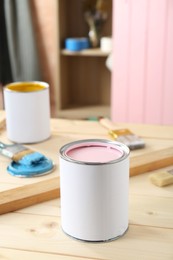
94 180
27 107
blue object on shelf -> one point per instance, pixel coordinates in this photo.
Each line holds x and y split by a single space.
77 44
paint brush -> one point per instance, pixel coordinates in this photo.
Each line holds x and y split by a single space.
21 154
26 162
123 135
162 178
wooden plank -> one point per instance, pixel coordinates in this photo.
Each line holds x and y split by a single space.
17 193
43 190
142 210
155 212
68 126
86 52
27 195
14 254
150 233
84 112
44 234
151 161
151 131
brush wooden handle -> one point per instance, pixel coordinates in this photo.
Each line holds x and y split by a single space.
107 123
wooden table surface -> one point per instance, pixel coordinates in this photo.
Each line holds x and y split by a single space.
35 232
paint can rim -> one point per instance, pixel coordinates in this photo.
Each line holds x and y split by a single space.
45 86
86 143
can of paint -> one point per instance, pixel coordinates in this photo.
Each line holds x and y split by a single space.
27 107
94 180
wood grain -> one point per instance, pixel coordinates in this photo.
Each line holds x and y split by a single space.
18 193
151 161
30 232
35 232
27 195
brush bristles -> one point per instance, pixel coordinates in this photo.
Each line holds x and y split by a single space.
18 156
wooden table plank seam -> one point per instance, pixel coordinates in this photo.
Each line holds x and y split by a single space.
35 232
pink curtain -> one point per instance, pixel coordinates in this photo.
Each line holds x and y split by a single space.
142 77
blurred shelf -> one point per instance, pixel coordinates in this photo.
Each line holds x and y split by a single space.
88 52
84 112
83 80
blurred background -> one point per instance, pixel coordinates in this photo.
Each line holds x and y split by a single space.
137 84
28 44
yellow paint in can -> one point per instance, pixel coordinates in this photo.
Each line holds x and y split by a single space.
26 86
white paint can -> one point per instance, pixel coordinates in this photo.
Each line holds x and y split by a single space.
27 109
94 179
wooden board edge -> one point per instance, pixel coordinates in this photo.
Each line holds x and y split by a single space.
151 161
30 194
29 201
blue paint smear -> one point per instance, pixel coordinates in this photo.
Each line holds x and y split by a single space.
32 159
31 169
